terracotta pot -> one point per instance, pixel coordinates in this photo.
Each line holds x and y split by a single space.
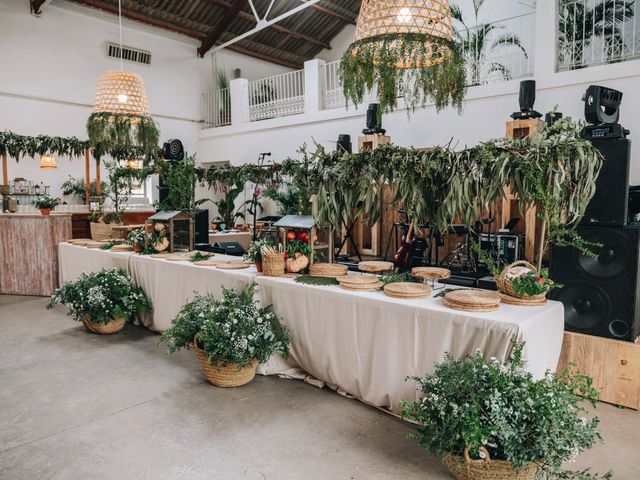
137 248
259 265
45 211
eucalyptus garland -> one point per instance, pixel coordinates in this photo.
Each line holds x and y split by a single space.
379 64
18 146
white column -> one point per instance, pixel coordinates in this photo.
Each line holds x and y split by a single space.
544 66
239 100
313 85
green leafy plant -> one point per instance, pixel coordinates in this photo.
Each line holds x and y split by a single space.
287 197
399 277
17 146
298 246
123 136
254 253
101 296
534 283
180 180
198 257
110 245
474 403
137 238
480 41
317 281
233 329
45 202
374 64
77 188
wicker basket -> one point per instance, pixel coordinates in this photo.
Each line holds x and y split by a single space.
273 264
506 286
225 375
464 468
113 326
102 231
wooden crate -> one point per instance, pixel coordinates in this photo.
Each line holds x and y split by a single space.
613 365
371 142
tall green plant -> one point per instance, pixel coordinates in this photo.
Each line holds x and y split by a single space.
579 24
479 41
180 180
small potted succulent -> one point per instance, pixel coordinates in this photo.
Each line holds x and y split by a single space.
230 336
254 253
45 203
136 239
103 301
488 419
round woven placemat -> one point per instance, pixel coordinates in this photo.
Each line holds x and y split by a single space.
371 287
328 270
375 266
431 273
208 263
470 308
523 302
175 257
407 290
358 279
122 248
93 244
473 297
159 255
232 265
77 241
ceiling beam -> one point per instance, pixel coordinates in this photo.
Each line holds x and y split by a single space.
229 14
141 17
278 28
331 13
267 58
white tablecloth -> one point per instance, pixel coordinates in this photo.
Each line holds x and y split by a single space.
73 260
170 285
366 343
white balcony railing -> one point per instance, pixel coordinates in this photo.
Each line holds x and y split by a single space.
276 96
332 95
217 108
597 32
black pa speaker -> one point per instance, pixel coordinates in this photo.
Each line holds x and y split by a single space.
609 205
600 295
229 248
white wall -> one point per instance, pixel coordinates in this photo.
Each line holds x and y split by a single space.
50 65
252 68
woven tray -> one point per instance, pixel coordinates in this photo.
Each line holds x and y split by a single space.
375 266
431 273
122 248
174 257
356 280
208 263
407 290
232 265
93 244
472 300
370 287
523 302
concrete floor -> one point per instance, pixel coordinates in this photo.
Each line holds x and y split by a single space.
79 406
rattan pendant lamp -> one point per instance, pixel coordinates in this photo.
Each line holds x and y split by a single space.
48 161
121 123
409 42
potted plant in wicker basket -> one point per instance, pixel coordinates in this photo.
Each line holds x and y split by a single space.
230 336
254 253
103 301
490 420
136 239
45 204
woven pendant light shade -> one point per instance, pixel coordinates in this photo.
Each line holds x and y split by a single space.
380 19
48 161
122 93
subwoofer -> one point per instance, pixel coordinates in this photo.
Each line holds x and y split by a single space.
600 294
609 205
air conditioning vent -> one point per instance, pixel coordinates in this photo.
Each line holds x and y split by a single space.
129 54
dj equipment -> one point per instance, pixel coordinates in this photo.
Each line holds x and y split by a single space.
374 121
173 150
344 143
600 295
610 203
504 249
229 248
201 225
526 100
552 117
602 105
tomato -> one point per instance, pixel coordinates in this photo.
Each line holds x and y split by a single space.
304 236
291 235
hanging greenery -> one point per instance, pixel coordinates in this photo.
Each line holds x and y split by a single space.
122 135
372 64
18 146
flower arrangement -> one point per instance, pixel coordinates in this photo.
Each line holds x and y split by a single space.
533 282
232 330
499 409
45 202
254 253
102 296
137 238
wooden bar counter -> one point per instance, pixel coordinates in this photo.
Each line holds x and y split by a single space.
29 252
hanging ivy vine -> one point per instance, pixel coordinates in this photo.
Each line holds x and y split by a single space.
109 132
376 64
18 146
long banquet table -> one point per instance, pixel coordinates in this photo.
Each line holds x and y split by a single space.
361 343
